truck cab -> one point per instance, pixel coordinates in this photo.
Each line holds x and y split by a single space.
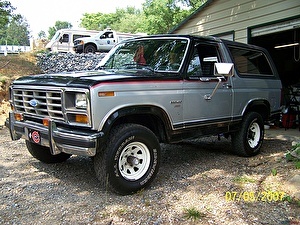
63 40
104 41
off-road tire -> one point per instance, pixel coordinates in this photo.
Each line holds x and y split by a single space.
130 160
248 140
43 154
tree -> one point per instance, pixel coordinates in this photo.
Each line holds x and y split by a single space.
6 10
193 4
162 15
157 16
42 35
14 28
124 20
17 31
58 25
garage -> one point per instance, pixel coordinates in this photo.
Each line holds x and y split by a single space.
281 39
274 25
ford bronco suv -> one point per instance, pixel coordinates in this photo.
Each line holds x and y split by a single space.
147 91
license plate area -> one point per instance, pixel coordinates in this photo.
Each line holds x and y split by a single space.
34 136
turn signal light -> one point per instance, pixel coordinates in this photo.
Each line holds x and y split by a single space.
19 116
46 122
79 118
106 94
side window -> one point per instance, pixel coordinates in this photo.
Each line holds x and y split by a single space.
76 36
107 35
250 62
65 38
202 62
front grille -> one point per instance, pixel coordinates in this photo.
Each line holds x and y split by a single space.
48 102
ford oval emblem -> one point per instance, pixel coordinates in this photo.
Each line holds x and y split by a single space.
33 102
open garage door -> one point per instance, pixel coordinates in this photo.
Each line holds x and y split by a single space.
282 41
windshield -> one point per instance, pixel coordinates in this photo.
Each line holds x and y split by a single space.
153 54
56 36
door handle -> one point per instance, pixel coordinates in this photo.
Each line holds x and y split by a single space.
227 86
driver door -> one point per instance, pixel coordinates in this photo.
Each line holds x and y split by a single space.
64 43
199 85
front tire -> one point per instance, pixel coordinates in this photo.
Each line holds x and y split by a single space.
43 153
248 140
89 49
130 160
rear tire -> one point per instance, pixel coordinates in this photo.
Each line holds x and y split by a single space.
248 140
130 161
43 154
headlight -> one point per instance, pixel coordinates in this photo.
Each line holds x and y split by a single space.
80 101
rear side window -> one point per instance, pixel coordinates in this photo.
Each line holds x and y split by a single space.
250 62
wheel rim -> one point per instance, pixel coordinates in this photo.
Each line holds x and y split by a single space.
134 161
254 133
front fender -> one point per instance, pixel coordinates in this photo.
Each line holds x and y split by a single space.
150 116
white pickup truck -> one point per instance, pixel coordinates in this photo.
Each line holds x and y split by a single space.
101 42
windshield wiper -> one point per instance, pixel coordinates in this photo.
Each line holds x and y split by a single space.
138 66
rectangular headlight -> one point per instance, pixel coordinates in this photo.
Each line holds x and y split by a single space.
81 101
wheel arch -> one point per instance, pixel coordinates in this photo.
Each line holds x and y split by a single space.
261 106
152 117
90 43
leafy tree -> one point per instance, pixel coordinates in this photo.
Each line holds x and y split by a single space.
162 15
157 16
17 31
14 28
59 25
6 10
193 4
124 20
42 34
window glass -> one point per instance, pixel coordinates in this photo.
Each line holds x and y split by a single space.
249 61
65 38
155 54
76 36
203 60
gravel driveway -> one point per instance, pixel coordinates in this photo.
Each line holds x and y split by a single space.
194 185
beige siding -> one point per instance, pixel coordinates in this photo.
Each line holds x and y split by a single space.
223 16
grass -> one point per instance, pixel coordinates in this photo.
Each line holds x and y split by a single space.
193 214
290 155
243 179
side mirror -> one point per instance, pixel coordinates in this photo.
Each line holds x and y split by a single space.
223 69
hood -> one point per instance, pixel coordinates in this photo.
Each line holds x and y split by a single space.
82 78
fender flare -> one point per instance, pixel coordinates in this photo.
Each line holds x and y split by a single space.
138 112
261 106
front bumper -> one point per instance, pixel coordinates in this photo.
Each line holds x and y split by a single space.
78 48
58 139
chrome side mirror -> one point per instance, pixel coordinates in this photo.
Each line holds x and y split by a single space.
223 69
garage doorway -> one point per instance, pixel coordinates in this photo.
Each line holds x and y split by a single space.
282 41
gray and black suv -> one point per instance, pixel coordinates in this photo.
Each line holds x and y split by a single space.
147 91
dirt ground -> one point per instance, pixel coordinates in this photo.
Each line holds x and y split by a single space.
200 182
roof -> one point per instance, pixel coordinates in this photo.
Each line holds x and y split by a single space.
190 16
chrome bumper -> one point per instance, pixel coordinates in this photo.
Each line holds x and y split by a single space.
57 139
